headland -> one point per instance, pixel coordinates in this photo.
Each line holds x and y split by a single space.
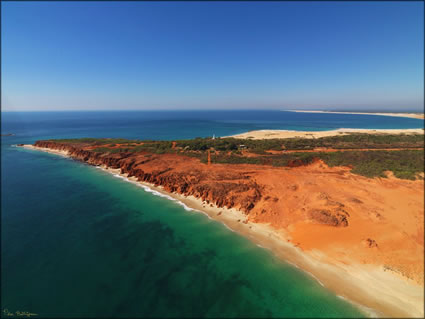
356 230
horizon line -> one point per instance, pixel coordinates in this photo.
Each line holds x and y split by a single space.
236 109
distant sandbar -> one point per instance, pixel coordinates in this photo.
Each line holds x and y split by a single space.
269 134
410 115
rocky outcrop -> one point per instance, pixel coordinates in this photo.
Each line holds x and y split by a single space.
370 243
338 217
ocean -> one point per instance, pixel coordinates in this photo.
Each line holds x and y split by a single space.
80 242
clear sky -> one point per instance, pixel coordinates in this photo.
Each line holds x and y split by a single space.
212 55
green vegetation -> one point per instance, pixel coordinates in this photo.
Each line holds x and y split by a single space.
95 141
403 163
350 141
356 140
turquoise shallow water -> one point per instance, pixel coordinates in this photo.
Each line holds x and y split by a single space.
79 242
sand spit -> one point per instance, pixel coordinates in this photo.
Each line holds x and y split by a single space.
269 134
358 274
410 115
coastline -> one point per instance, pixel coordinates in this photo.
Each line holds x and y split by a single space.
409 115
364 285
269 134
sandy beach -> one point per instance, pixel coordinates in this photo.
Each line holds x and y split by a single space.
374 289
269 134
411 115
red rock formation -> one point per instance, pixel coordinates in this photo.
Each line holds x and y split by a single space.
224 189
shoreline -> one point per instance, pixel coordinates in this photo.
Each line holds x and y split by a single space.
269 134
394 114
368 287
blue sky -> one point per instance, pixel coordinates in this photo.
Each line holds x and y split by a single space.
212 55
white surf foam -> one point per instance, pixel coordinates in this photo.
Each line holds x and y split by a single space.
228 227
154 192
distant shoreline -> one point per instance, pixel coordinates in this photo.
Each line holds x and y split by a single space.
269 134
394 114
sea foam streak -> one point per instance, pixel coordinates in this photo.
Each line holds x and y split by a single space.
159 194
150 190
156 193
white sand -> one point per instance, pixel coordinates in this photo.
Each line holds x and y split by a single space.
269 134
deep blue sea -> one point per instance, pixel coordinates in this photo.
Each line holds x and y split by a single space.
79 242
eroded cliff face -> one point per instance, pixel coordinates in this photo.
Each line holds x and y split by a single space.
224 189
324 209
